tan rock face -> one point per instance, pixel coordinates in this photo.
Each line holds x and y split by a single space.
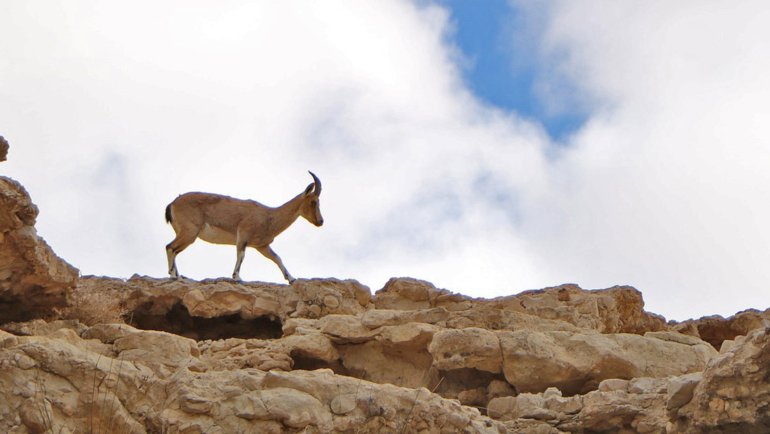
574 363
614 310
33 280
716 329
730 395
734 392
350 367
50 384
467 348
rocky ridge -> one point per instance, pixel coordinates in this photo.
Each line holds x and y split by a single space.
33 280
147 355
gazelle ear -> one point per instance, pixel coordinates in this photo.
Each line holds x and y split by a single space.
309 189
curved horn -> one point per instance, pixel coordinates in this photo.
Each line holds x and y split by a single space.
317 182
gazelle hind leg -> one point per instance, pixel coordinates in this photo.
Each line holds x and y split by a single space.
174 248
171 256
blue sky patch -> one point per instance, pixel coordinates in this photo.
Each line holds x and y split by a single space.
500 72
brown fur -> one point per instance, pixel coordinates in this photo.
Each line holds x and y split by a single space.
222 219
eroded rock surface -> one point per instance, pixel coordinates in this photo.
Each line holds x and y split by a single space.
733 395
730 396
716 329
115 378
615 310
33 280
325 355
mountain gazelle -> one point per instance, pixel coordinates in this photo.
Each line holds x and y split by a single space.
222 219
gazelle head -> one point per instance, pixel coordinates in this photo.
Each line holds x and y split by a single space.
311 207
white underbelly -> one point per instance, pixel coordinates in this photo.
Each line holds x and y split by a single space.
215 235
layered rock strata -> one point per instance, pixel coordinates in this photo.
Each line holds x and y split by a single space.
325 358
115 378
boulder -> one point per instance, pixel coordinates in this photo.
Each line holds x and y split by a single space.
575 363
733 394
610 409
716 329
619 309
467 348
33 280
680 390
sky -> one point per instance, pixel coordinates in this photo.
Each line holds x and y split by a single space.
487 148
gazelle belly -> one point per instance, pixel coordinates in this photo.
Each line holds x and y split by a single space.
216 235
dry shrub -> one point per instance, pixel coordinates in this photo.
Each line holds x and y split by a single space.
92 306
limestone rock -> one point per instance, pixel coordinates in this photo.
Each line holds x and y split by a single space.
577 363
612 384
492 315
224 308
609 410
345 329
615 310
716 329
254 362
65 387
734 392
7 339
405 294
386 317
329 296
33 280
411 337
467 348
731 395
162 352
680 390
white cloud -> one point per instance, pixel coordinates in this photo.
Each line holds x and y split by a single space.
112 110
155 99
666 186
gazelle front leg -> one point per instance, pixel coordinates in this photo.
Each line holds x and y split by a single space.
271 255
240 249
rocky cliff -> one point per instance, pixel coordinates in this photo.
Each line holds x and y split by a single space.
33 280
149 355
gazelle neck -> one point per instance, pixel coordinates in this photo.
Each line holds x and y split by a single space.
287 214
